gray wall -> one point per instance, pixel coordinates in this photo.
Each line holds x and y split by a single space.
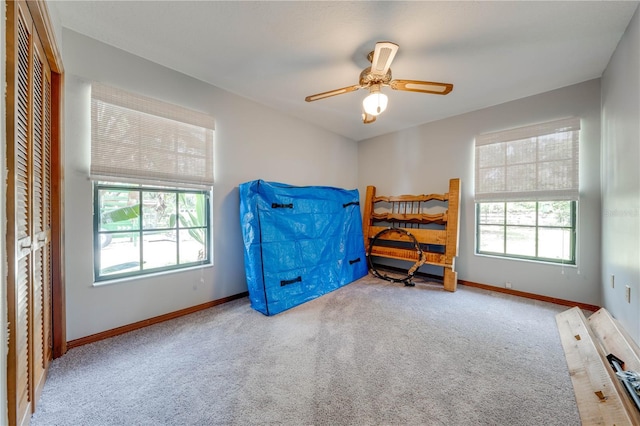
255 142
620 163
251 142
423 159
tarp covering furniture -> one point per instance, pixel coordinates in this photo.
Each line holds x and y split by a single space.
299 242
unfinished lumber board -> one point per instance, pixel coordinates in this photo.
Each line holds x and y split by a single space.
615 339
598 392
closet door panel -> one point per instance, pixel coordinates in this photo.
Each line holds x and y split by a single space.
44 238
39 230
23 210
22 385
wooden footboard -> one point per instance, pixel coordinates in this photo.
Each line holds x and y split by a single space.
436 232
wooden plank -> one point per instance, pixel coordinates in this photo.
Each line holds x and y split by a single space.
411 198
615 339
453 231
409 255
596 389
450 278
410 217
424 236
366 216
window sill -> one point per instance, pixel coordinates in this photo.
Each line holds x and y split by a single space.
518 259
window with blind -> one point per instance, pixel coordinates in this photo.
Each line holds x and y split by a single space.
526 192
152 168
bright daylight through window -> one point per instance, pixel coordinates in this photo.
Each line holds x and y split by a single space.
149 229
526 192
152 168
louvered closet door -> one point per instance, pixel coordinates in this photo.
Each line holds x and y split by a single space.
41 217
28 214
19 334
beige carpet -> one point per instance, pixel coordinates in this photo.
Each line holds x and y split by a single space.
370 353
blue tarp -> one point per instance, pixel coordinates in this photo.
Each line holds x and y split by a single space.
299 242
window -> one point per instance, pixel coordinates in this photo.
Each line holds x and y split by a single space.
145 229
526 192
152 168
543 230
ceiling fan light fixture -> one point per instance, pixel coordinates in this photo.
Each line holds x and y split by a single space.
376 102
368 118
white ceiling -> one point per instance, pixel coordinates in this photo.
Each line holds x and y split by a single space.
276 53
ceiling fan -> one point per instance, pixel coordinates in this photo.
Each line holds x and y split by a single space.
377 76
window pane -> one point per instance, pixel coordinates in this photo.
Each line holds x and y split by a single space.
554 213
119 253
491 238
554 243
521 240
160 249
157 209
192 210
192 246
119 210
492 213
521 213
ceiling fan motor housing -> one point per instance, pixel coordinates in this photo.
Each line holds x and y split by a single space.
367 79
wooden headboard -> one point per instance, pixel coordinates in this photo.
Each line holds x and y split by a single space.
437 233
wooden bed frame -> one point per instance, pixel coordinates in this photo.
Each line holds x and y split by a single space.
437 234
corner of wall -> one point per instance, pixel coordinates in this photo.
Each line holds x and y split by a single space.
620 181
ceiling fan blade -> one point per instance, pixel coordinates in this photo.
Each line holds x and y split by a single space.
382 56
332 93
421 86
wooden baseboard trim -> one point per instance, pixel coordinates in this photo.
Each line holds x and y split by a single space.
171 315
155 320
534 296
510 291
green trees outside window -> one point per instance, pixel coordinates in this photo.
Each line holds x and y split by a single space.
538 230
